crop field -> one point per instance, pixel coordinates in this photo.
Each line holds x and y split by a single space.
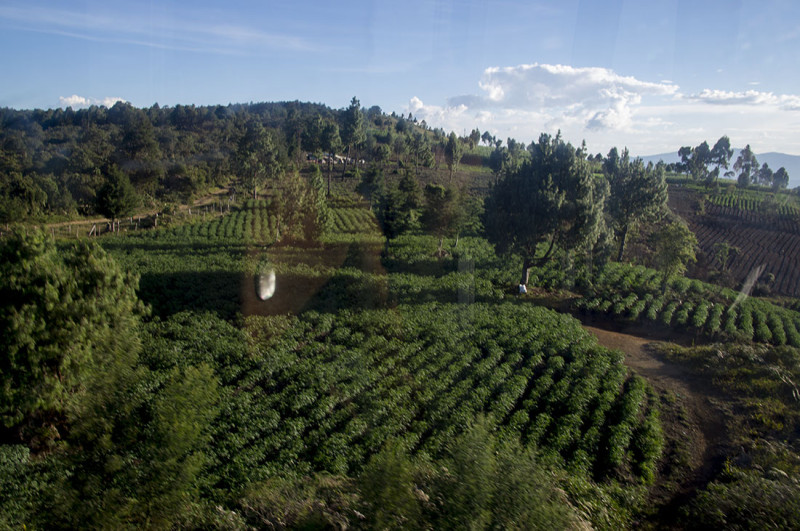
766 234
332 389
324 389
635 293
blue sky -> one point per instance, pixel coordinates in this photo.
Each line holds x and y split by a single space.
648 75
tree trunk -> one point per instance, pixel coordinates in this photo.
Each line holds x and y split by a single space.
330 170
622 239
344 166
526 270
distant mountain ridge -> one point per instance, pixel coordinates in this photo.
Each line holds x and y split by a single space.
775 161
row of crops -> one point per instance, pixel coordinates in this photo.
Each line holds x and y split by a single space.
329 390
755 202
352 220
250 223
635 292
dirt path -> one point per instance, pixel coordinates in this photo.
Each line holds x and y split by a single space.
697 422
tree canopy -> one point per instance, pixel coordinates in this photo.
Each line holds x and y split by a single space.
747 166
63 314
551 199
116 198
442 214
638 193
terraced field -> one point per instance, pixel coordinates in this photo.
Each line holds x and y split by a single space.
764 236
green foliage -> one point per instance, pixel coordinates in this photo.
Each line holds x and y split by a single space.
453 152
136 450
21 485
311 502
116 198
486 483
747 500
441 215
257 158
637 193
64 315
552 199
674 247
747 166
398 207
387 484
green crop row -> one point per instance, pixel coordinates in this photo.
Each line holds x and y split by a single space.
635 292
328 390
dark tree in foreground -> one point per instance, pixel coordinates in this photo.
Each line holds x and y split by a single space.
638 193
63 316
551 200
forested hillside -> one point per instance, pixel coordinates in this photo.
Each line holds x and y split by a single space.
372 324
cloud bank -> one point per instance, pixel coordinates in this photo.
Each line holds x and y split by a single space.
78 102
609 109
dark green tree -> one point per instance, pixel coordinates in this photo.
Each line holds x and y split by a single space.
441 215
552 199
330 143
318 217
257 157
64 316
780 179
747 166
674 248
638 193
398 207
474 138
695 161
499 161
765 175
371 184
452 152
352 130
117 198
721 155
139 153
420 150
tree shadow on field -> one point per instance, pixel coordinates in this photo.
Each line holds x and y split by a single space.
359 283
170 293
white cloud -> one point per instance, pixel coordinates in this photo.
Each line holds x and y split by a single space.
749 97
591 98
607 109
555 96
77 102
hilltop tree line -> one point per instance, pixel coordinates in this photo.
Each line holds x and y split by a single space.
545 196
706 164
57 161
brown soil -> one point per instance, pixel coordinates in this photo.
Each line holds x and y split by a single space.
763 238
694 417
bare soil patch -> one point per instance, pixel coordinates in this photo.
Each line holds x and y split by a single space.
693 418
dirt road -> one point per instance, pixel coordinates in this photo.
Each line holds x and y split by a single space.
699 426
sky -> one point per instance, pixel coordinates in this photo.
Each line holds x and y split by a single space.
648 75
